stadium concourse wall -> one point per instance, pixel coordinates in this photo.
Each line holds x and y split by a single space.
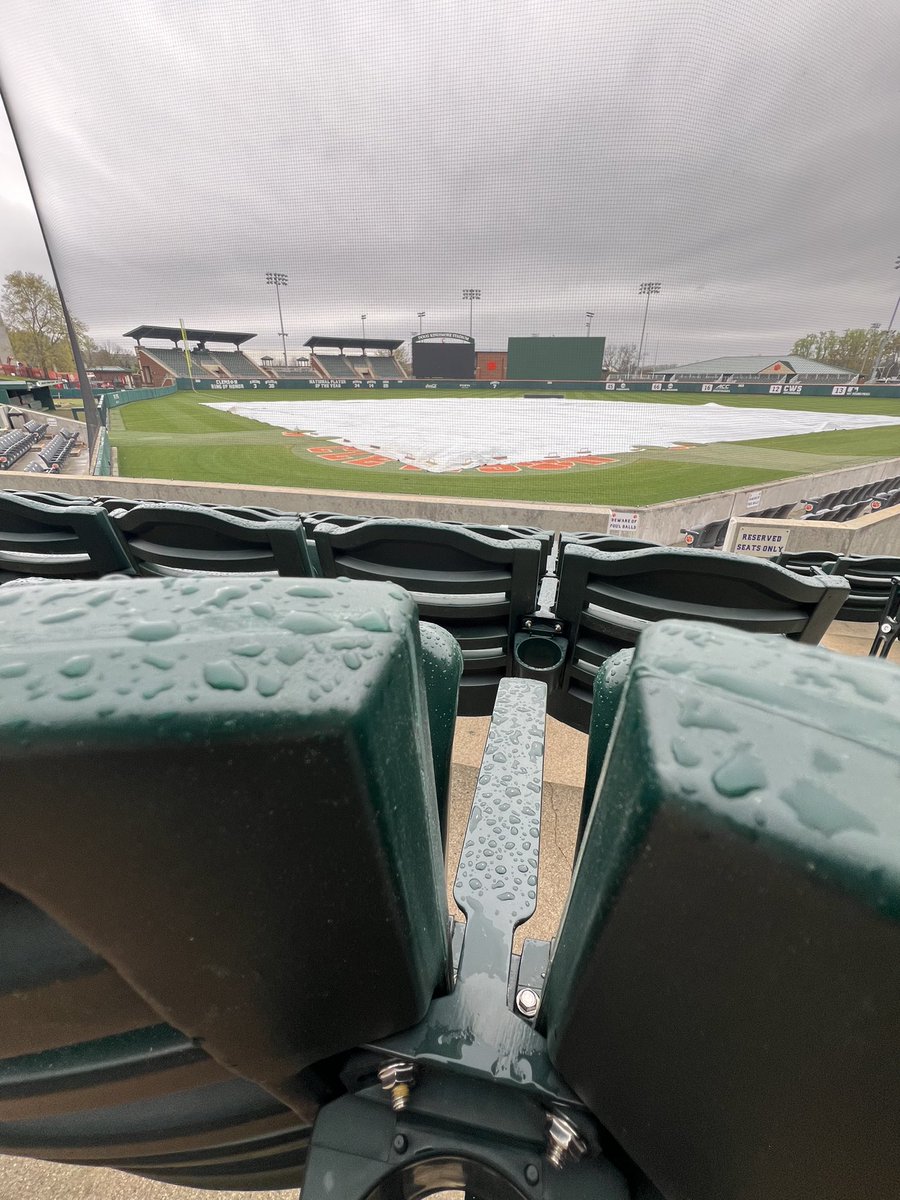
878 533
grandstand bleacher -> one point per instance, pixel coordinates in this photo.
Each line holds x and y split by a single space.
336 366
295 372
169 361
383 366
237 365
371 358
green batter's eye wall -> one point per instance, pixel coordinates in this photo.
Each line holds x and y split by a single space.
555 358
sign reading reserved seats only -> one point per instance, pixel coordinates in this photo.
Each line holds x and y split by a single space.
759 538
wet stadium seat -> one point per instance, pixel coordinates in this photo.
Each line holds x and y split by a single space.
807 562
207 788
46 538
869 578
608 543
724 988
477 588
168 539
606 600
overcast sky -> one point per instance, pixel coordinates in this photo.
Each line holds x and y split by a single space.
386 155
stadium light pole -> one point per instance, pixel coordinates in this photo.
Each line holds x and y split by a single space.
870 344
648 290
420 316
590 317
471 294
363 319
890 329
279 280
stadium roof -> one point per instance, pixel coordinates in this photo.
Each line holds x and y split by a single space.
172 333
338 343
758 364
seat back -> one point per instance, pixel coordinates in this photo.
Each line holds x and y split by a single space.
477 588
606 542
723 992
220 864
178 538
607 600
807 562
869 578
48 539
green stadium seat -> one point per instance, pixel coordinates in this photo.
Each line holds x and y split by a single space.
174 539
61 541
724 989
220 863
606 600
477 588
869 578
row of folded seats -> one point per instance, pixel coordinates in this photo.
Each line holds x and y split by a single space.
486 585
848 503
15 443
844 505
180 978
869 577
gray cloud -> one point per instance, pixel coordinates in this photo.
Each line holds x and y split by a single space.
386 155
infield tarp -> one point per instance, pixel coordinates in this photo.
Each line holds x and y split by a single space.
443 435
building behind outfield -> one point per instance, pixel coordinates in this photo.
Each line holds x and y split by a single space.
756 368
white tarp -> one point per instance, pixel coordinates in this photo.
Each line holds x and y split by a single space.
460 433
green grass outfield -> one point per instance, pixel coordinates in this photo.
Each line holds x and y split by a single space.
175 437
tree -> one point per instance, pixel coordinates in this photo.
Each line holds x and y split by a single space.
33 314
106 354
854 349
402 357
621 360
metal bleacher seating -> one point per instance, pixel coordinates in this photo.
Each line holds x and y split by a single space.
382 366
606 600
480 589
173 361
238 365
294 372
227 961
337 366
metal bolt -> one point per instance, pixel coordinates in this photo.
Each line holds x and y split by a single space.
527 1001
397 1078
563 1141
400 1144
532 1174
557 628
528 624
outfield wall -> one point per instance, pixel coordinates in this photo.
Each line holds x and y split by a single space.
116 399
890 391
